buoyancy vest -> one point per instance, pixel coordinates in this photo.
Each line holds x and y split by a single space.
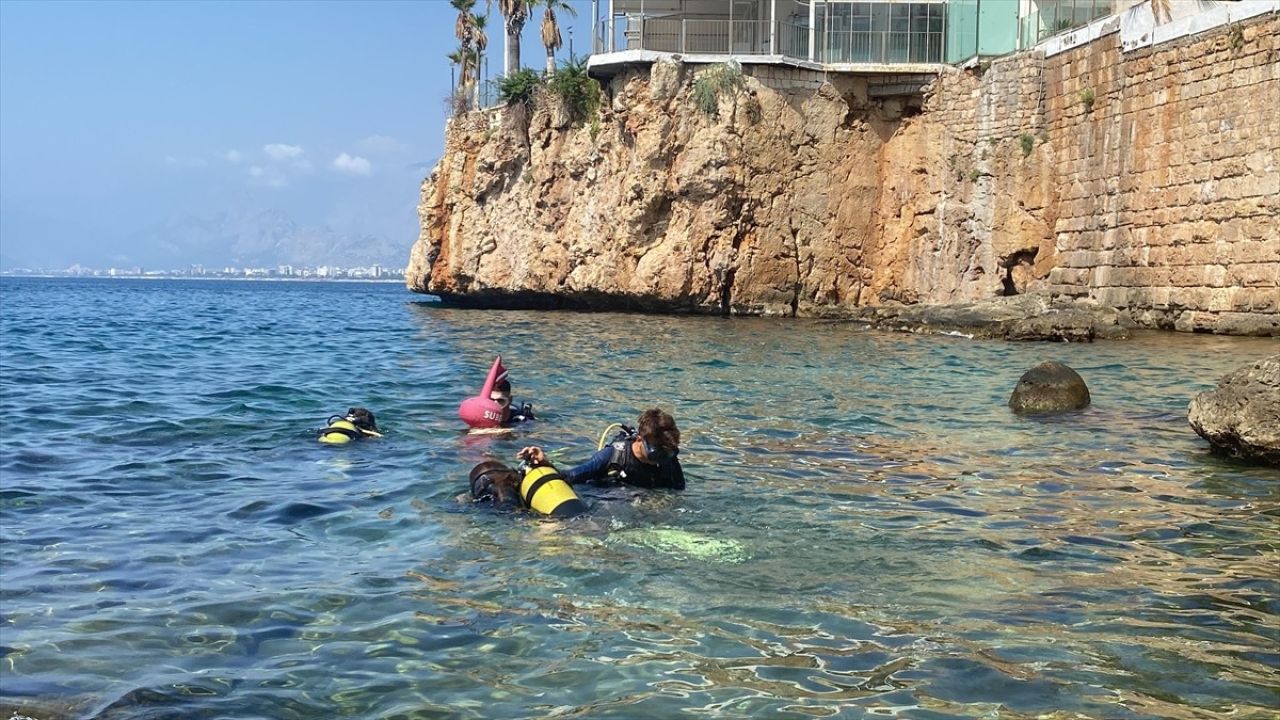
626 468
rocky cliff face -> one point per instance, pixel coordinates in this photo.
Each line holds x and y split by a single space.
1087 175
799 197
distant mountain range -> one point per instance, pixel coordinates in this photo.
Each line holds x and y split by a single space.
259 239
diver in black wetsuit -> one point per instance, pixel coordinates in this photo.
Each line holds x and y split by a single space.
647 457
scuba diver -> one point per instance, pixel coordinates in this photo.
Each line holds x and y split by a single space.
511 414
357 424
540 489
492 408
646 457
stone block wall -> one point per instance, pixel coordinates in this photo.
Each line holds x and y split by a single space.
999 100
1167 162
785 78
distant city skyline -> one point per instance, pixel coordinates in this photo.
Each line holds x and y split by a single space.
283 272
121 119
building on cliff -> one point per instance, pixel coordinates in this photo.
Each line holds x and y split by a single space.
836 35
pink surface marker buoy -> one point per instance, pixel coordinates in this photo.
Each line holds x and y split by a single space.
480 411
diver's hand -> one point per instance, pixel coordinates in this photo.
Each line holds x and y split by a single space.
533 455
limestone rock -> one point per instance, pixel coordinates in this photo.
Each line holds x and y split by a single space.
1049 387
1021 317
801 197
1241 417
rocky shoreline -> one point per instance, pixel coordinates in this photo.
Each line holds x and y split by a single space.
1018 318
1014 318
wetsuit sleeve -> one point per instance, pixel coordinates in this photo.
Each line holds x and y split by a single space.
677 474
593 469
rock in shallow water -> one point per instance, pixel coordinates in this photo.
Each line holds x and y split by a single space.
1241 417
1021 317
1049 387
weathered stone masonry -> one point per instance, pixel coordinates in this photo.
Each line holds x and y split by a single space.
1148 182
1156 173
1169 180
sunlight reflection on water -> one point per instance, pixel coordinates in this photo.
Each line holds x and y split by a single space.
868 529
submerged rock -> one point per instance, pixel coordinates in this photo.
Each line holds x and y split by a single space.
1021 317
1241 417
1049 387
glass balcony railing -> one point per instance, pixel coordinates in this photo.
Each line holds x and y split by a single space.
1058 17
871 32
837 39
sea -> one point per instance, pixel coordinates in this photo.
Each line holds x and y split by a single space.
867 532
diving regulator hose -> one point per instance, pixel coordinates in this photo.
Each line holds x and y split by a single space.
605 435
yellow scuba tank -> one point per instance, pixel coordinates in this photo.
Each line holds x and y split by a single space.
339 432
356 424
544 490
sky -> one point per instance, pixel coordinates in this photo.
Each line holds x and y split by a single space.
119 117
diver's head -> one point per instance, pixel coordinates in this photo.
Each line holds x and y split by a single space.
657 437
501 394
493 482
362 418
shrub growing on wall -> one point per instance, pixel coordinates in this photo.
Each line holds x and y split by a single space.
580 93
713 82
1028 143
519 86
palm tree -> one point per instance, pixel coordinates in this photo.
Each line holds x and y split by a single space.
514 12
480 41
551 30
462 26
463 57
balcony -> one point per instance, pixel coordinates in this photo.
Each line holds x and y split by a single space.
909 35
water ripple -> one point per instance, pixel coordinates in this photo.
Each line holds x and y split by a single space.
868 530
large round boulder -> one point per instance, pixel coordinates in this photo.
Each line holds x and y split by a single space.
1049 387
1241 417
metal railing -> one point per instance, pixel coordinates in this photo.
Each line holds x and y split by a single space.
835 42
881 47
694 35
962 34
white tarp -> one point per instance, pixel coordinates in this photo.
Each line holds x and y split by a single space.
1141 27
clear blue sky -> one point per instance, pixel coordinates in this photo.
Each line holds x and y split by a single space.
119 116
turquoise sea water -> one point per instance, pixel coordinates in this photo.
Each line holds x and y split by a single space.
868 531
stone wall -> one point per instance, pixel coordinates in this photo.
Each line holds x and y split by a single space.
1168 165
1001 165
1148 182
1151 177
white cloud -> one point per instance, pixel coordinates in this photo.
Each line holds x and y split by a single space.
353 164
233 156
279 151
381 145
